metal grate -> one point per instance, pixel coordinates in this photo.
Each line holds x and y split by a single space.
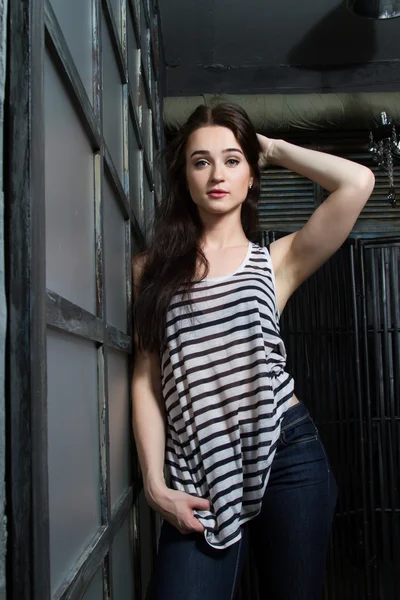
342 333
380 387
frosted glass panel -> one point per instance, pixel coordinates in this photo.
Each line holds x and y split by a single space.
157 108
75 19
112 103
122 564
73 449
70 245
144 34
157 185
120 424
146 124
146 539
116 9
114 256
95 588
133 59
135 175
148 205
152 86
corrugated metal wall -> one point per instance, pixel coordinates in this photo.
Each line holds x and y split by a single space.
288 199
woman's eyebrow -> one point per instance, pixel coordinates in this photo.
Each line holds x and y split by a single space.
206 152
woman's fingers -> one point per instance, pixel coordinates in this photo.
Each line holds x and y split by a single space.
195 525
200 503
178 510
267 145
192 522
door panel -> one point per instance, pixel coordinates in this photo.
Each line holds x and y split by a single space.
69 195
83 190
73 449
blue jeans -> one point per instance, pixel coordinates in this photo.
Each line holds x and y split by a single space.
289 537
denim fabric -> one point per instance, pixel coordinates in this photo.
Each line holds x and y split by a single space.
288 539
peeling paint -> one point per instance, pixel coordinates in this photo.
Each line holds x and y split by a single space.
216 67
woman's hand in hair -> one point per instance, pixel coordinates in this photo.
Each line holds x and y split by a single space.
267 148
177 508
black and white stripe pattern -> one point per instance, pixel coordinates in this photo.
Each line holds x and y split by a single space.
225 390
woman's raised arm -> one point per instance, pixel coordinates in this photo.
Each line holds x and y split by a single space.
298 255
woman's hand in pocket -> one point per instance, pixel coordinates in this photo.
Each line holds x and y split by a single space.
177 508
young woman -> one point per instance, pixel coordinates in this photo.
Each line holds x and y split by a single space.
212 401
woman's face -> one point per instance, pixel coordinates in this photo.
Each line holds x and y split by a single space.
217 172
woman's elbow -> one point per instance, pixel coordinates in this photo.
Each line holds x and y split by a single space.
367 182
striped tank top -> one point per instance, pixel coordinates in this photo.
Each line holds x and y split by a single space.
225 390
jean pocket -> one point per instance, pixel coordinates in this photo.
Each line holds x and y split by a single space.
299 432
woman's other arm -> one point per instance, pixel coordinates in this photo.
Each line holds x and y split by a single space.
148 416
149 428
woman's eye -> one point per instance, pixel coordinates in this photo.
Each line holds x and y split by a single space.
232 162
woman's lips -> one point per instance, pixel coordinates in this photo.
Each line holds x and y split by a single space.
217 194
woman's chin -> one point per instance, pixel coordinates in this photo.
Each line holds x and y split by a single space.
218 208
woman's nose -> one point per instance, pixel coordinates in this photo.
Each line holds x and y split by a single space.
217 174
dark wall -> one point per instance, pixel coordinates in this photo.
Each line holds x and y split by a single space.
3 312
262 47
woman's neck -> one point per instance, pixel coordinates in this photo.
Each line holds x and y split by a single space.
222 231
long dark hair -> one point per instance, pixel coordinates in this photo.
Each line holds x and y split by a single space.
171 258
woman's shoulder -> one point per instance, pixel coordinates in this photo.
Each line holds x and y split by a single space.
139 263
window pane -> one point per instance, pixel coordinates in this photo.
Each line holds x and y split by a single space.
75 19
158 184
133 59
144 35
157 108
146 125
73 449
152 85
122 564
138 7
112 103
114 256
95 589
148 205
69 172
135 176
116 9
120 424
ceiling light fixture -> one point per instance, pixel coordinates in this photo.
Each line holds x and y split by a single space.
384 145
375 9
